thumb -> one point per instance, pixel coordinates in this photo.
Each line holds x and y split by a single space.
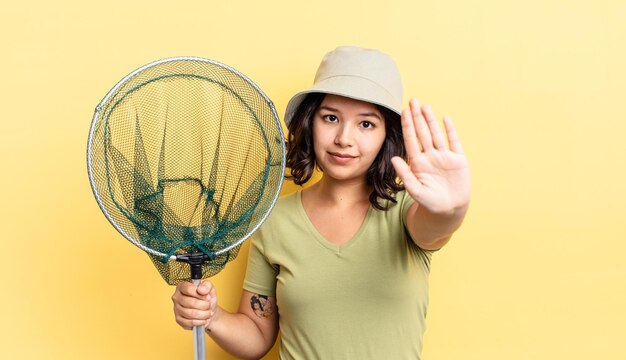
411 184
400 166
204 288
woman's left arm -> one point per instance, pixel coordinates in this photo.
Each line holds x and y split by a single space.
436 175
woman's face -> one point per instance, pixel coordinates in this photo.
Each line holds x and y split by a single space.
347 136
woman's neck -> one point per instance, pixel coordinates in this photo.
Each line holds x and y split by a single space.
339 193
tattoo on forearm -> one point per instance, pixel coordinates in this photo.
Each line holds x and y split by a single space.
262 306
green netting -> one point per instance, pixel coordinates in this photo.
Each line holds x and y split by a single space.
186 156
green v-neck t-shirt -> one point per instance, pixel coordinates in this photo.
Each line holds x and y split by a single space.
364 299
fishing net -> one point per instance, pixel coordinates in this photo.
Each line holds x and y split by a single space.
186 160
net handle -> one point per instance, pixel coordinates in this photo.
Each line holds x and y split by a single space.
199 342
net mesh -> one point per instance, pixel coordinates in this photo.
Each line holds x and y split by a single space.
186 156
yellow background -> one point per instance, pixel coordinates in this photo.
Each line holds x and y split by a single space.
537 89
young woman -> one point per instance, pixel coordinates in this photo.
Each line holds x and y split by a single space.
341 267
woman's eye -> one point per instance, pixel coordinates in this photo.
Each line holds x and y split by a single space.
367 124
332 118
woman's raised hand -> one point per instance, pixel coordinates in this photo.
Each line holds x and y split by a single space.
436 174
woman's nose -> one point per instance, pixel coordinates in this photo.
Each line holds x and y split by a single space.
344 136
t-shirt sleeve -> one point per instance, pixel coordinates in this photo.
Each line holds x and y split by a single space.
405 203
424 255
260 273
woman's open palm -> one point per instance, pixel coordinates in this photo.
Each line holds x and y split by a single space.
436 173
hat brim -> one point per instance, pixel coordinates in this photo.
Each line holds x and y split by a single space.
349 86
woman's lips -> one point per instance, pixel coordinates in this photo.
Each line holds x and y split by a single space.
341 158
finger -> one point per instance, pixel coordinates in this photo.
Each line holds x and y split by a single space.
200 291
205 288
188 289
408 133
438 139
194 310
453 139
421 127
188 302
411 184
188 318
192 315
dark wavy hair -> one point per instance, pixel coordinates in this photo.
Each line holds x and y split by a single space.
381 176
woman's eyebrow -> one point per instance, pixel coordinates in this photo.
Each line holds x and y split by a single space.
372 114
328 108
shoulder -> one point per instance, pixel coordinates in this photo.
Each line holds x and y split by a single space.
393 218
286 208
392 224
400 207
286 204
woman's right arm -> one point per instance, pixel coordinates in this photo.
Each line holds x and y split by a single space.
249 334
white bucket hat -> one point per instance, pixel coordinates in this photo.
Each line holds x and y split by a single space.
358 73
